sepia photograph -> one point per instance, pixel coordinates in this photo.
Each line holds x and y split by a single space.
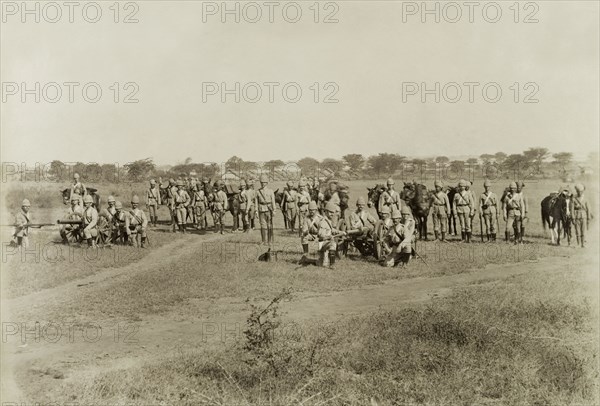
310 202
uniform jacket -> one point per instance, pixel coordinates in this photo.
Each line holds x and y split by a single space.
389 198
402 232
221 203
514 203
182 199
90 218
121 220
311 225
463 203
153 197
22 220
441 204
488 203
360 219
326 229
302 200
138 218
266 200
77 188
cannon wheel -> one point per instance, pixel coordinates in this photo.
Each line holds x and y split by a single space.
342 249
378 240
104 232
74 235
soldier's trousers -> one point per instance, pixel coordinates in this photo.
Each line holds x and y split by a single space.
301 219
579 223
464 220
200 214
90 232
291 216
489 220
180 214
218 217
398 254
139 230
513 220
440 219
326 248
152 209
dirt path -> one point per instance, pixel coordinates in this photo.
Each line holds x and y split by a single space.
109 345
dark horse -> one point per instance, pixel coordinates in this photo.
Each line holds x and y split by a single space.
418 199
451 220
90 191
373 195
554 215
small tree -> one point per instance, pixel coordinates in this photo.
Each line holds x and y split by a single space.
354 161
140 169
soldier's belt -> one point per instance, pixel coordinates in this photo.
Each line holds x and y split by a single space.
462 205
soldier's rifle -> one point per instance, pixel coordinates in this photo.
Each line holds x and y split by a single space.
30 225
480 225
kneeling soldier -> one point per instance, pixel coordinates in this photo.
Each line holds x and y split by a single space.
138 220
327 233
75 212
120 222
90 221
361 219
400 237
310 226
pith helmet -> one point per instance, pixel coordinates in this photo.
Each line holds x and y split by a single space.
290 183
579 187
135 199
180 183
171 181
26 203
385 210
462 183
405 210
75 198
360 200
118 205
513 185
390 181
243 183
152 182
438 183
111 199
88 199
313 205
76 176
487 183
302 183
566 188
521 184
264 179
331 207
396 214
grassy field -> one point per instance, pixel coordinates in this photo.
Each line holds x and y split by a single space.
529 338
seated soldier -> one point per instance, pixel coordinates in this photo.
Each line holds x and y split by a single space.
362 220
310 226
120 224
90 221
400 238
137 220
326 234
75 212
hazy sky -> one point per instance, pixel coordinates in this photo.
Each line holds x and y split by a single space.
369 53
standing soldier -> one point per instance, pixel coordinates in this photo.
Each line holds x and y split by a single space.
171 192
513 213
120 223
153 201
302 202
138 220
441 210
289 203
389 197
266 209
220 205
22 222
182 200
77 188
468 189
332 196
581 214
252 206
520 187
90 221
310 226
327 233
463 206
400 237
75 212
488 209
199 203
243 198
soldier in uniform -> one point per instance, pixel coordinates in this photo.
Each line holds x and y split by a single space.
153 201
75 212
463 206
488 207
265 198
220 206
138 220
327 233
243 199
581 214
310 226
251 206
469 190
361 219
77 189
441 210
171 192
90 221
520 187
332 196
302 202
199 204
289 203
22 221
105 219
182 200
400 237
389 198
513 212
120 223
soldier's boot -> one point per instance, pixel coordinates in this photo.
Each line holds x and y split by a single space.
263 235
435 233
305 249
332 257
221 227
522 233
469 236
184 228
403 260
493 236
90 242
517 237
143 242
462 235
489 237
506 236
443 236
